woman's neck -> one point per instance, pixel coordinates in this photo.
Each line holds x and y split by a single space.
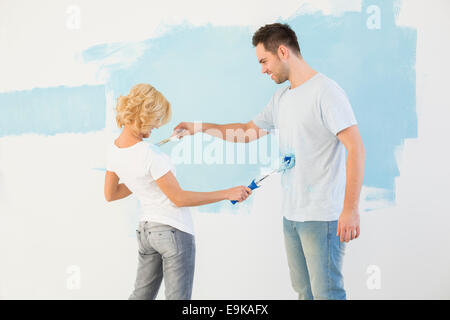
129 136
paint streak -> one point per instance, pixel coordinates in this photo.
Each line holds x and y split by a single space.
50 111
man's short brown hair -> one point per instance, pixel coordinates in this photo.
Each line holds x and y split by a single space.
276 34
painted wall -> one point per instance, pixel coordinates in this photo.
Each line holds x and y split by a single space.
64 65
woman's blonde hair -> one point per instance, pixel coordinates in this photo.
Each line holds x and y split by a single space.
143 108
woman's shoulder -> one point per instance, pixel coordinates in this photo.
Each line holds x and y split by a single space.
154 150
152 147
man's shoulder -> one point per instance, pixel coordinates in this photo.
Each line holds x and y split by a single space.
326 83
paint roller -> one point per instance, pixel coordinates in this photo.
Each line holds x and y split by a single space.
287 163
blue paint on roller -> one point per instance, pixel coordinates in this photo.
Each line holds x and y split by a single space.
288 162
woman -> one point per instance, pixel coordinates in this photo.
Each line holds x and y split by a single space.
165 234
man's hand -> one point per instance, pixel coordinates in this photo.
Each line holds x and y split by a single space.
348 225
186 128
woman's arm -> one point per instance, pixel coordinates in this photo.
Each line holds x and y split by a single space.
181 198
114 190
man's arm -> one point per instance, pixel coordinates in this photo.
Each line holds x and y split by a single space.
233 132
348 225
113 190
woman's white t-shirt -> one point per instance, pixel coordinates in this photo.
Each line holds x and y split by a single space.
139 166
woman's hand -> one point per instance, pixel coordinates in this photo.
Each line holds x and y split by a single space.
238 194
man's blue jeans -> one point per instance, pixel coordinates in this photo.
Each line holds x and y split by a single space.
164 252
315 256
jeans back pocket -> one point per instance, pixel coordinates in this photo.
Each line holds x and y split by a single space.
164 242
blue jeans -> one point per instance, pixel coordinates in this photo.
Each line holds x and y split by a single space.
164 252
315 255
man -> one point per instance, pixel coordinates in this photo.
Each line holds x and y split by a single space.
315 121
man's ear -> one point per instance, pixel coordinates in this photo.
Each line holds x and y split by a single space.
283 52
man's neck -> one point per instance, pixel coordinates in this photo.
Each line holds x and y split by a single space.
300 72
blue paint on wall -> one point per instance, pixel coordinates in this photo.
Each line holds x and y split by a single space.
211 74
49 111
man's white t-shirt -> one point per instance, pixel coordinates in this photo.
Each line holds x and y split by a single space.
307 120
139 166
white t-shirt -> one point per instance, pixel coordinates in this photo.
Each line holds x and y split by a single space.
307 120
139 166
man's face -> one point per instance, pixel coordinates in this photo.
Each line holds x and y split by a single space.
271 64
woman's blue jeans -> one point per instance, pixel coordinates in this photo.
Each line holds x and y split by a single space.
164 252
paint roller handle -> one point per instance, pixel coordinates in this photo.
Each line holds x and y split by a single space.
252 186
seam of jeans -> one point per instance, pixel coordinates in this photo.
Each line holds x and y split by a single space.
142 249
175 241
329 259
191 277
